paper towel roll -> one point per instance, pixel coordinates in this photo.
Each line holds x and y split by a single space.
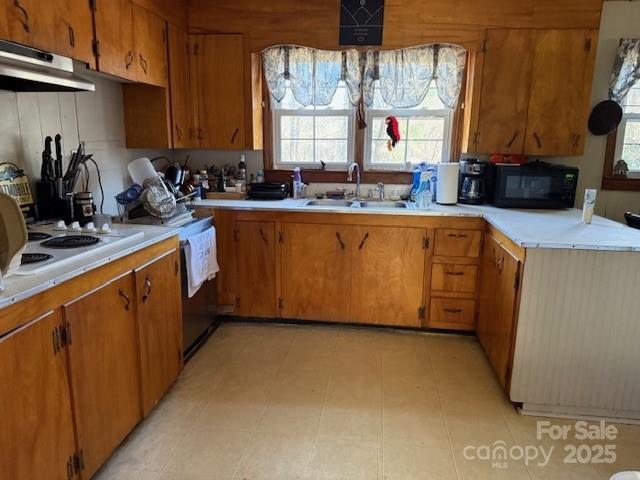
447 183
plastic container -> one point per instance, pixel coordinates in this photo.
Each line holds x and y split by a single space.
424 195
141 169
589 205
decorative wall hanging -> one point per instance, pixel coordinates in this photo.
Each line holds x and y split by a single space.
361 22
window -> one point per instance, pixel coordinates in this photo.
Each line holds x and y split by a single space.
628 134
307 136
425 133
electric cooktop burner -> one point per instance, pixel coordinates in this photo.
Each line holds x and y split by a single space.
28 258
70 241
36 236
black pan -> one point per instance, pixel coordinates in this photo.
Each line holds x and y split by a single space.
605 117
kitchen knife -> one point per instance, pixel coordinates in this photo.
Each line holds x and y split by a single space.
58 165
47 159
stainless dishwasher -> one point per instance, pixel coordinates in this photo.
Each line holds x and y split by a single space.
199 311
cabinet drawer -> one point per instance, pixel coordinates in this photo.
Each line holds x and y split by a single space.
458 243
449 277
454 314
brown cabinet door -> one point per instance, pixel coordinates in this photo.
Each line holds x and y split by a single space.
505 91
562 73
219 78
150 47
159 302
59 26
256 264
103 358
488 293
115 34
316 271
36 437
387 280
503 329
182 117
225 244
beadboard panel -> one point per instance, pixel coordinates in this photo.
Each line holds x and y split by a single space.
578 330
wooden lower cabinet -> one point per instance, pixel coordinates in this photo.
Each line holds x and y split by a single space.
497 313
387 275
315 265
103 360
159 308
256 269
36 438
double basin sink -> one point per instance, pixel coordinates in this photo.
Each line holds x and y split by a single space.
356 204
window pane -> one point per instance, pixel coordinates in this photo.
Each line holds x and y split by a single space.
331 151
381 155
427 151
296 151
332 127
632 132
426 128
296 127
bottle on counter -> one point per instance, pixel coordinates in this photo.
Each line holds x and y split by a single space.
242 169
204 184
297 183
222 182
424 195
589 205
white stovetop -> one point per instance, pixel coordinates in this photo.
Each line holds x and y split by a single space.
527 228
20 287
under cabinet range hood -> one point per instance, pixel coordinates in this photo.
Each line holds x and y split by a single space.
24 69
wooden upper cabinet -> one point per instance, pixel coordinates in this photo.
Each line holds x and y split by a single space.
115 37
159 306
218 70
36 437
504 98
150 47
104 365
255 250
182 102
388 269
562 73
316 271
59 26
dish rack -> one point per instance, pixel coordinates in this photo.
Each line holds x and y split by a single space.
163 209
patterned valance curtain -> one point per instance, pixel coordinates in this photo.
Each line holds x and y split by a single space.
626 69
404 75
313 75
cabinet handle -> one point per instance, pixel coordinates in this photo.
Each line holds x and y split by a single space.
72 37
176 267
364 240
67 332
453 310
475 138
143 64
576 139
457 235
55 340
263 236
236 235
537 139
500 264
513 139
340 240
455 274
146 295
126 299
128 60
235 133
178 133
25 14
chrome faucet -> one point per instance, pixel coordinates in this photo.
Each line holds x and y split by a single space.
381 190
356 167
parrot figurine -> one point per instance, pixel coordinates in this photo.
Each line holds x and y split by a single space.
393 131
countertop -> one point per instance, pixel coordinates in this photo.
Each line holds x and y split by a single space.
527 228
18 288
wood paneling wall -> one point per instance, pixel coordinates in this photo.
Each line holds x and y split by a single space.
174 11
406 22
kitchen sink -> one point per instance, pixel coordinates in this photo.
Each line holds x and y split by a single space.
328 203
382 204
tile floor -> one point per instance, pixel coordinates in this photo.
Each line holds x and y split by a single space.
298 402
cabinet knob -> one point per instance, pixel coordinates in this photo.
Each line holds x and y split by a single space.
127 300
143 64
72 37
147 293
128 60
235 133
537 139
342 245
364 240
513 139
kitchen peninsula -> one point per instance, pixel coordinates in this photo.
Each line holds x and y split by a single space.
529 283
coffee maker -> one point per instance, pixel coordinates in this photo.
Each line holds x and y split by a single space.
476 182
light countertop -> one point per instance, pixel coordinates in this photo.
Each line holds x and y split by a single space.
527 228
18 288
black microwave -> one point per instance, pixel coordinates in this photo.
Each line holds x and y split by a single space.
535 185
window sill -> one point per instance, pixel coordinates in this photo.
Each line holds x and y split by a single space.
336 176
621 183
